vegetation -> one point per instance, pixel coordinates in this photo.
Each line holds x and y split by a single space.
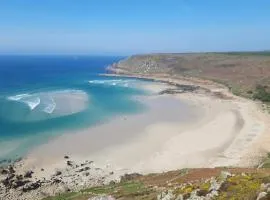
238 183
262 93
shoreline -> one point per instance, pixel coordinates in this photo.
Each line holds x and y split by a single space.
257 151
205 148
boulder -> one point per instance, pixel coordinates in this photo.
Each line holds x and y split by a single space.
4 171
11 169
31 186
58 173
261 195
69 163
28 174
129 177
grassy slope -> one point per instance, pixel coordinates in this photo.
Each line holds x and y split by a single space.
245 184
242 72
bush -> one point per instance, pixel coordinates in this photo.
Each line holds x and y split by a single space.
262 94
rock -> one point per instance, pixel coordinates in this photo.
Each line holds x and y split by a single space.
56 181
112 183
7 182
58 173
69 163
31 186
202 193
224 175
129 177
42 169
4 171
18 183
11 169
166 195
86 173
28 174
19 177
214 185
66 157
179 197
261 195
111 173
212 194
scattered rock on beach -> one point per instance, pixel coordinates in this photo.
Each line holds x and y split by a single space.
69 163
4 171
28 174
31 186
11 169
58 173
66 157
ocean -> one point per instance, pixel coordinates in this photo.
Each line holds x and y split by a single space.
42 97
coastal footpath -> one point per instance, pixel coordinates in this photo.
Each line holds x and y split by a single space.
231 88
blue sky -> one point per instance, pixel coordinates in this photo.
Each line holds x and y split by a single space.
133 26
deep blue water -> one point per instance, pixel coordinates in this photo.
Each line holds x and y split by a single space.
44 96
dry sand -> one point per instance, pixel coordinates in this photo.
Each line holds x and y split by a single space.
177 131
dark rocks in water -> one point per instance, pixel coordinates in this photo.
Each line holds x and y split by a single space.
3 161
129 177
66 157
28 174
31 186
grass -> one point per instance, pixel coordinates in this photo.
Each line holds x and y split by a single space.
246 53
127 189
244 184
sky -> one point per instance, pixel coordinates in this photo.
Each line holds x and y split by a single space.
124 27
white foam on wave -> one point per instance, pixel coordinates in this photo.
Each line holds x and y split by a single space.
113 82
46 100
50 106
18 97
32 101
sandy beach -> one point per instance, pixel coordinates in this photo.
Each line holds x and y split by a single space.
177 131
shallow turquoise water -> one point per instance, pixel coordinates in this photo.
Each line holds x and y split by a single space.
44 96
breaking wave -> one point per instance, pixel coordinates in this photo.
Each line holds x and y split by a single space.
32 101
53 103
114 82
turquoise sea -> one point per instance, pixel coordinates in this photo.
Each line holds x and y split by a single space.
42 97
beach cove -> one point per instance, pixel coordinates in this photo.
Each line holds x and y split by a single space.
215 130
